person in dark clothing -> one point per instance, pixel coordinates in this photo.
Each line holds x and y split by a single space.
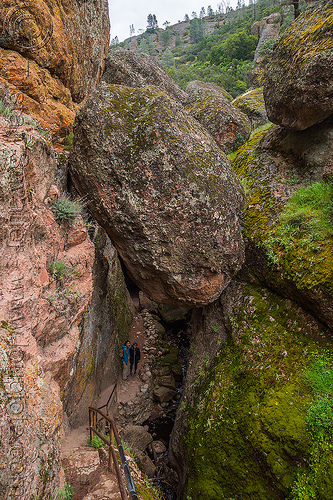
134 357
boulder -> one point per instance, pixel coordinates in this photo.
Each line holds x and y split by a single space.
164 394
253 105
208 104
167 381
298 89
172 314
146 464
146 303
136 69
158 447
177 372
162 189
55 58
136 437
251 412
292 258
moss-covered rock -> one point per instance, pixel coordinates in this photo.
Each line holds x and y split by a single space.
272 166
163 190
253 105
209 104
136 69
298 88
244 428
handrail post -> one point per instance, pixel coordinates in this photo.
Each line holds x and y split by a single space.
111 465
90 425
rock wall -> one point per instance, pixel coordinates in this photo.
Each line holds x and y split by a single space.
40 313
63 310
242 427
103 330
55 58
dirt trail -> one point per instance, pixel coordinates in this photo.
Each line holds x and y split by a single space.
128 389
75 450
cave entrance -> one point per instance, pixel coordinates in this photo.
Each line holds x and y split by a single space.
131 286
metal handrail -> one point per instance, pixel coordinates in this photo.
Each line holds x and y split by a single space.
108 401
93 422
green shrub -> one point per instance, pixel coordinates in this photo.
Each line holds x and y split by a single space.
60 269
311 209
96 442
65 209
66 493
69 141
6 111
320 418
266 47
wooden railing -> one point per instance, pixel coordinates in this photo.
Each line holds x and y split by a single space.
94 423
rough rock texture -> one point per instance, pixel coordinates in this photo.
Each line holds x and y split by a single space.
242 426
164 192
41 314
272 166
253 105
135 69
298 90
267 29
31 416
55 58
103 329
136 437
208 104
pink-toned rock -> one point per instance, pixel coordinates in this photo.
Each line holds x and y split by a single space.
41 312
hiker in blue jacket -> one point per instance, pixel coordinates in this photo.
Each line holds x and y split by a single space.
126 359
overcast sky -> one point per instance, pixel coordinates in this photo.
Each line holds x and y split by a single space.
126 12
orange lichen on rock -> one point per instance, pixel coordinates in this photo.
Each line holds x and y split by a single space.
55 58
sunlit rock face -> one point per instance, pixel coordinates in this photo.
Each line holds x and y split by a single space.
163 190
52 55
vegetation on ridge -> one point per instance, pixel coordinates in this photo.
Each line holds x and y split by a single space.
223 56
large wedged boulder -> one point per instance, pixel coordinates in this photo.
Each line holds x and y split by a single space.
165 193
298 89
290 249
55 58
136 69
209 104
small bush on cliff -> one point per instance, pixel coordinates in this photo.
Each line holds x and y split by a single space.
65 209
300 239
66 493
60 269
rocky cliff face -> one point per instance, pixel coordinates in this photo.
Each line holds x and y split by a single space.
40 309
298 87
55 58
163 191
252 425
242 424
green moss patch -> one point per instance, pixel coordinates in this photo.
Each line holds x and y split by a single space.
247 431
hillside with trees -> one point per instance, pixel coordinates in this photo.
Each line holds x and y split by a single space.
214 46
